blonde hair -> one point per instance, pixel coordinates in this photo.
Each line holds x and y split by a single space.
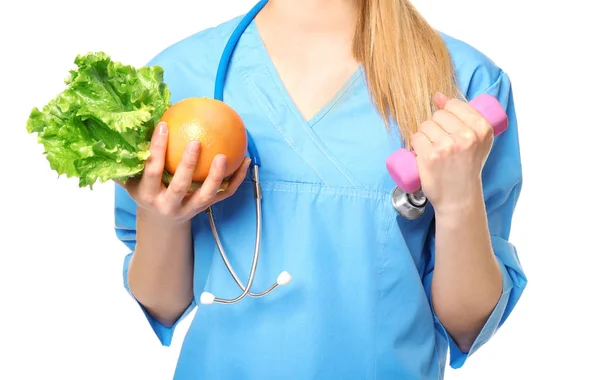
405 60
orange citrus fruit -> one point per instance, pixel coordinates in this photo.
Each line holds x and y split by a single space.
218 128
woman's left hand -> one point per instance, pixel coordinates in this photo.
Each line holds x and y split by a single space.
451 149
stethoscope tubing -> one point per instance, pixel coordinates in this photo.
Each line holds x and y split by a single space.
284 277
245 289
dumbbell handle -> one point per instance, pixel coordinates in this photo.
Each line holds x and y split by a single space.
402 164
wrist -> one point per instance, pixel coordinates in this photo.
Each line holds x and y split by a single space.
147 216
471 201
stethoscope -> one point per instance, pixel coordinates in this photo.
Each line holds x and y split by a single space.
284 277
407 198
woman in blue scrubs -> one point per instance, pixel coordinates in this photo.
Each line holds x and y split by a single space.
327 90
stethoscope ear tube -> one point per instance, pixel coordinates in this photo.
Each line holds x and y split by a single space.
284 278
408 198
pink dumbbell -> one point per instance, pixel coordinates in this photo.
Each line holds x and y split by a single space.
408 199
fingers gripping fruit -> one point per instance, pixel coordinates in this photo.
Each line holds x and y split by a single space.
218 128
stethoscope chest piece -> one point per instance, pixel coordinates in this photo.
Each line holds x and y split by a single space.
409 205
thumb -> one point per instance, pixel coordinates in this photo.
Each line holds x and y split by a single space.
440 100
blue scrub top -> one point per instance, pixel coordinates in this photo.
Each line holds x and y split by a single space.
359 306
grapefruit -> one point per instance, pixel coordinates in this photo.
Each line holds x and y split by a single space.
218 128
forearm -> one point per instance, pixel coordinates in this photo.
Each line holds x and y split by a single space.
161 270
467 281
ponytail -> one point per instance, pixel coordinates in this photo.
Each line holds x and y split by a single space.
406 61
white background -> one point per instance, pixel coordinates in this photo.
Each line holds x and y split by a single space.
63 311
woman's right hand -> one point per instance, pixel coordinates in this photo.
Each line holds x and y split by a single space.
174 202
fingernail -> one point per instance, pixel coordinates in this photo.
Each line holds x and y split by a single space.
219 161
162 128
193 147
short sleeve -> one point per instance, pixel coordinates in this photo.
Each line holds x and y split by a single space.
125 227
502 182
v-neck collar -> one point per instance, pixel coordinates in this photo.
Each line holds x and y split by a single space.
263 55
255 67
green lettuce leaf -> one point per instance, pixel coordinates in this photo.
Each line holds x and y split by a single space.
99 128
